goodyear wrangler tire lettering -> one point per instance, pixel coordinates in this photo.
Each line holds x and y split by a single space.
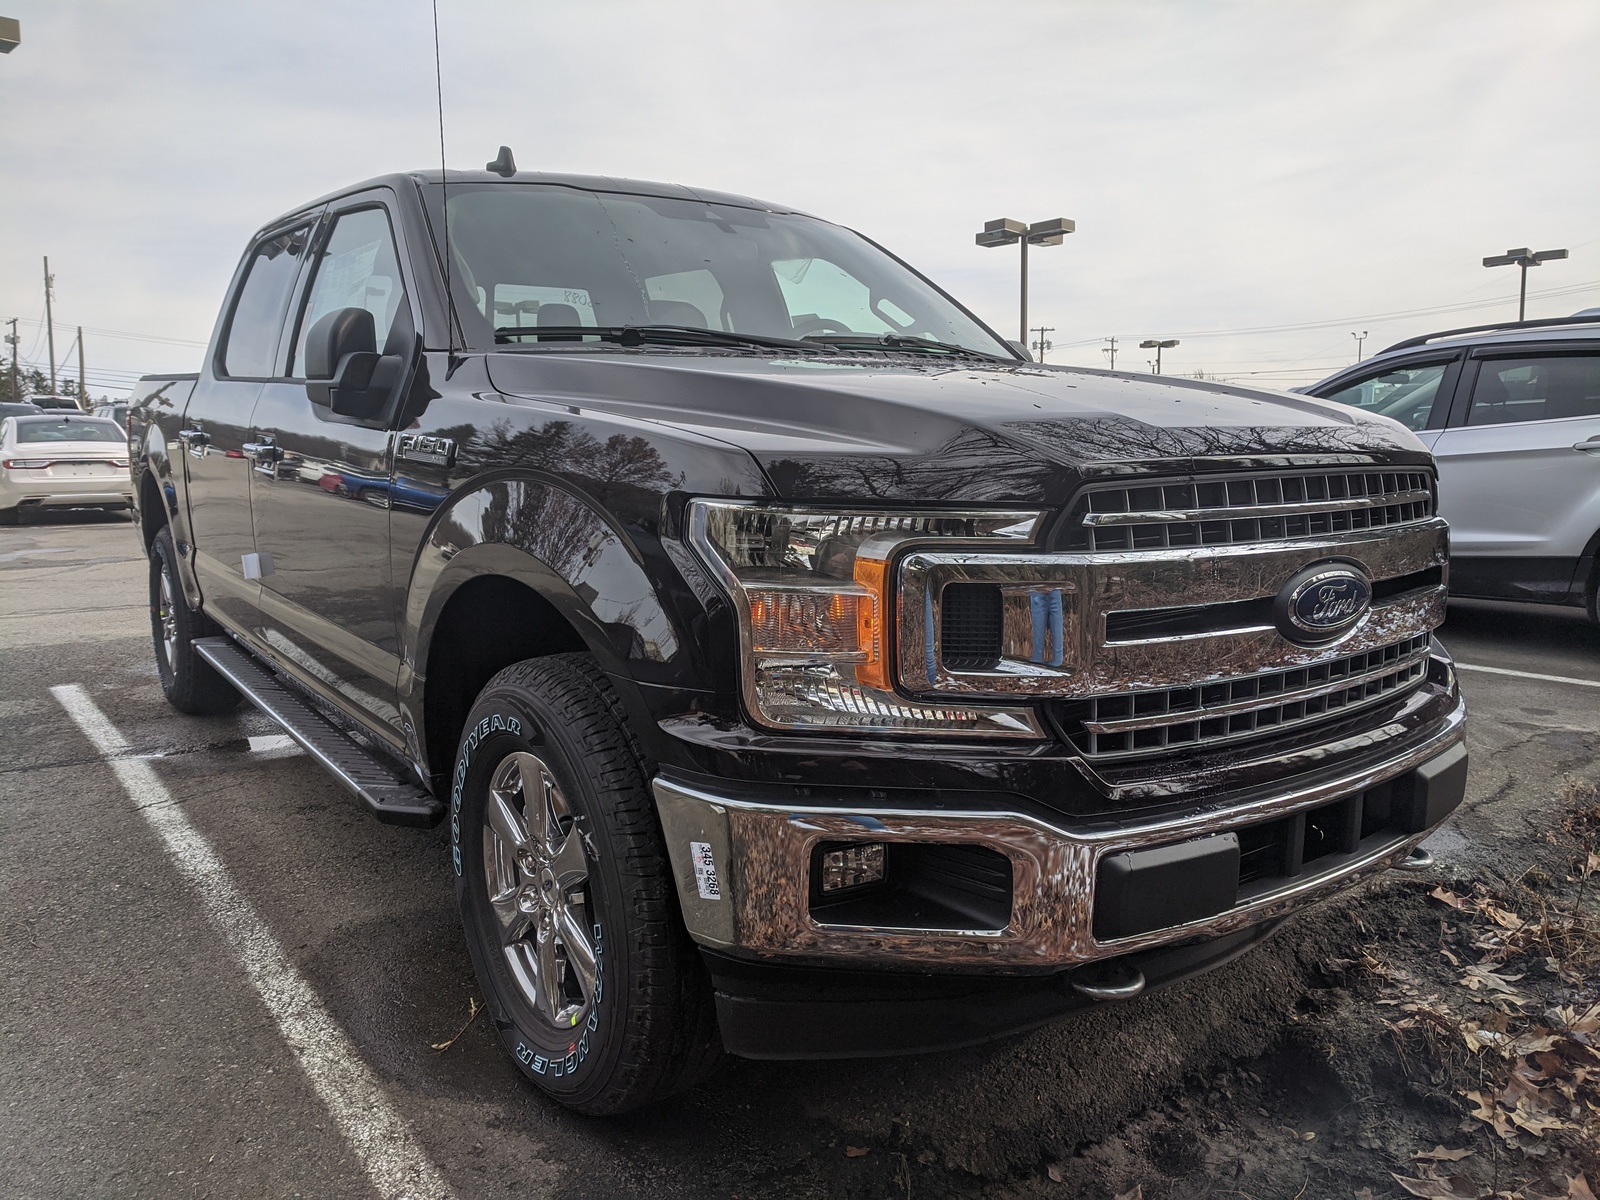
566 893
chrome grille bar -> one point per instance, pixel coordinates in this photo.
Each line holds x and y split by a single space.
1132 724
1274 507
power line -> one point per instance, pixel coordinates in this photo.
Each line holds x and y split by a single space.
132 337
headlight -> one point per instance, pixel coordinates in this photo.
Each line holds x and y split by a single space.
812 593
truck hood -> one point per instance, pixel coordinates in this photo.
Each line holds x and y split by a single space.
905 429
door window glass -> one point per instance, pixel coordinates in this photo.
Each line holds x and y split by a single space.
250 350
357 268
1405 393
1511 390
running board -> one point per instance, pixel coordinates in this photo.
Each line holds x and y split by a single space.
391 800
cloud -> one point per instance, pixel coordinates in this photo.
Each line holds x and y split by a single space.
1230 165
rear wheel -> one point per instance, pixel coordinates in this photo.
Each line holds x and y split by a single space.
567 895
10 516
189 683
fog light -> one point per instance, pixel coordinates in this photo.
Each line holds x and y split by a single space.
852 866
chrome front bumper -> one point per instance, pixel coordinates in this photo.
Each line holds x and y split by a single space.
743 870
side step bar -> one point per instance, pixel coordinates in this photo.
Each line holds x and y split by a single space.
391 800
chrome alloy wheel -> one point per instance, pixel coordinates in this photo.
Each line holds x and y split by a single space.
538 879
167 615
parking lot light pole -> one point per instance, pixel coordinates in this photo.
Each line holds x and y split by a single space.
1360 338
1522 258
1006 232
1158 347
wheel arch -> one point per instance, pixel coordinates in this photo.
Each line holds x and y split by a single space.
516 568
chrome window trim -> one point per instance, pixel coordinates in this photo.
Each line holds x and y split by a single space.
1089 585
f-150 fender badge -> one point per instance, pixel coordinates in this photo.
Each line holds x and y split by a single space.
420 447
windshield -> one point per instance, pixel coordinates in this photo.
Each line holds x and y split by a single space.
74 429
531 255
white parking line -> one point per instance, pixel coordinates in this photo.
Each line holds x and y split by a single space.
274 745
1594 683
377 1133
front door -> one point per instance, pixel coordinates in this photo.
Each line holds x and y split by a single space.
216 427
1519 473
321 490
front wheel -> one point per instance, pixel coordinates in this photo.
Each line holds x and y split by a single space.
567 897
189 682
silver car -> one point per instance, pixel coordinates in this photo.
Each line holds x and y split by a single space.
62 460
1512 414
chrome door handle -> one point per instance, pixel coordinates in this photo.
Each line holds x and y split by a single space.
196 439
263 451
1592 446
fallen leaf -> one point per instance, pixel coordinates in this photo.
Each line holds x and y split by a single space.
1578 1185
1363 1194
1481 976
1433 1189
1055 1173
1440 1154
1136 1194
855 1151
1445 896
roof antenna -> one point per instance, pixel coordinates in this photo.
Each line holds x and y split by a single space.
503 164
444 194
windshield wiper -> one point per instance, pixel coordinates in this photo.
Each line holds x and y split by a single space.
896 341
638 335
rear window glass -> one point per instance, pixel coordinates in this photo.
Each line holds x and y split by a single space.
1512 390
88 429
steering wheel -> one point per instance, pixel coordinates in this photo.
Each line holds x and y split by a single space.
821 325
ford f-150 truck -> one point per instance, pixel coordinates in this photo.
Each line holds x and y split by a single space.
801 671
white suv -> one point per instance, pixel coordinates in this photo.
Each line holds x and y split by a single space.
1512 414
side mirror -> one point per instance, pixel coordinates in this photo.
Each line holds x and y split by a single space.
343 369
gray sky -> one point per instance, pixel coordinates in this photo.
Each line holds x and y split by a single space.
1231 166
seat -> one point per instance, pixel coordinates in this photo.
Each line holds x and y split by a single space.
677 312
558 315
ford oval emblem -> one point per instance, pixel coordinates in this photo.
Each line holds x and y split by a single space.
1322 602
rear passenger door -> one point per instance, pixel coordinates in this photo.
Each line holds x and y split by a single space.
322 489
1519 466
216 430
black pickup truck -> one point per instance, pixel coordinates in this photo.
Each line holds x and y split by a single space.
802 671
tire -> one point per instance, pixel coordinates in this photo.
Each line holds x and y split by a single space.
190 684
590 904
10 516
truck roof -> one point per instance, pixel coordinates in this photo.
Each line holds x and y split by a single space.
588 183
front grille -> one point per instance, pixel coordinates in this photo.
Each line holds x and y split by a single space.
1132 724
1250 508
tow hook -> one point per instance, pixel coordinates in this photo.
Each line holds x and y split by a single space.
1114 981
1418 860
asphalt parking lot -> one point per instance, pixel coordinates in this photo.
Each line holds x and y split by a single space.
138 1056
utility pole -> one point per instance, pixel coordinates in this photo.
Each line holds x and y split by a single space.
1158 346
1041 345
1359 337
16 379
50 322
1112 351
83 383
1522 258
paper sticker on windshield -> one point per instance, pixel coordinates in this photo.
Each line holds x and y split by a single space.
705 871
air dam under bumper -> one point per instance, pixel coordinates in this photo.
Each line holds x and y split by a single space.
1009 892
